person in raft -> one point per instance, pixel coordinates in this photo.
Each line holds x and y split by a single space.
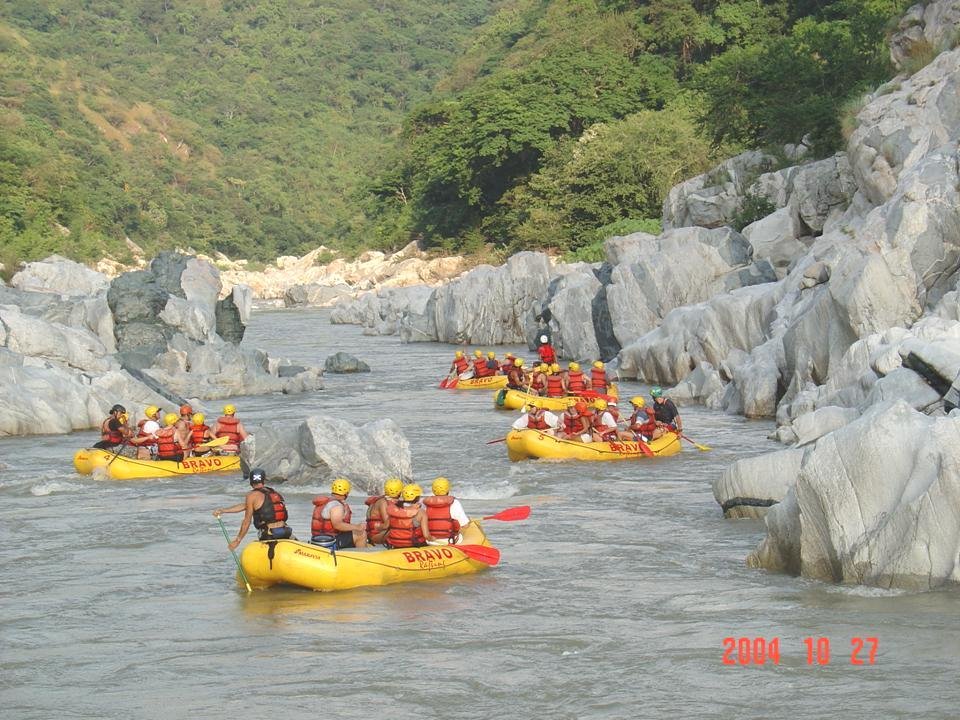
146 437
199 434
546 352
229 426
377 517
168 440
603 424
331 519
598 378
265 507
493 365
664 409
643 423
114 430
409 525
578 423
536 418
458 367
515 376
445 514
183 428
480 367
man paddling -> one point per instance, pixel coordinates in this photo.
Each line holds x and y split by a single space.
114 430
666 412
264 506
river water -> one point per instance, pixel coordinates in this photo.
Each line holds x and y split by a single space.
611 601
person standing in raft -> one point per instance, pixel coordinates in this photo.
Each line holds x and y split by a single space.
114 430
168 441
665 411
331 518
458 367
265 507
377 517
229 426
409 525
445 514
546 352
199 434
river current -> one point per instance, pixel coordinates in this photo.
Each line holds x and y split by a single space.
613 599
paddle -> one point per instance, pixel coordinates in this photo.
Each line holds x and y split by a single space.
701 448
593 395
491 442
480 553
216 442
234 553
515 513
644 448
117 453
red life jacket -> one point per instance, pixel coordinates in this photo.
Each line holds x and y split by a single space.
320 525
375 524
442 526
555 385
461 364
570 423
228 428
538 423
198 433
506 365
575 383
606 432
598 379
402 533
114 437
480 368
515 377
547 355
167 446
536 382
647 427
273 509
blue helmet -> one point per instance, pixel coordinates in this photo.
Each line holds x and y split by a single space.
656 391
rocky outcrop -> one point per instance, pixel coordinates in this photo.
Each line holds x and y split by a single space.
59 275
315 294
342 362
321 448
924 27
749 487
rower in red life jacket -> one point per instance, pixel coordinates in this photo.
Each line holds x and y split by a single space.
536 418
577 423
538 380
515 376
493 365
146 438
199 434
409 525
377 517
598 378
332 515
507 363
168 442
576 382
603 424
480 368
229 426
445 515
263 506
114 430
643 422
183 428
459 365
556 387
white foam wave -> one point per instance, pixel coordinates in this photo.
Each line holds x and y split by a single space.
49 487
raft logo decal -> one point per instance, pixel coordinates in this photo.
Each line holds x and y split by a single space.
202 463
428 558
625 447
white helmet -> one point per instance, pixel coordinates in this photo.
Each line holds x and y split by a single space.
543 338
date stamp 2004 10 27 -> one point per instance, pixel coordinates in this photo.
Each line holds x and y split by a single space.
760 651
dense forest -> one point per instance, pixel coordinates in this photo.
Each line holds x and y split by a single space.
266 127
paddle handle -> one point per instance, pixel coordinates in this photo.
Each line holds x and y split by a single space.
234 553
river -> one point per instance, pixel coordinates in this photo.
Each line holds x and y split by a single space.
611 601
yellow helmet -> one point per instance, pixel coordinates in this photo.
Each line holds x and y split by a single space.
411 492
170 419
518 362
393 487
340 486
458 354
600 404
151 411
123 417
574 366
491 354
598 365
441 486
555 368
478 353
638 402
229 409
198 418
543 367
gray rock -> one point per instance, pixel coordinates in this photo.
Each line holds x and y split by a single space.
342 362
750 486
61 276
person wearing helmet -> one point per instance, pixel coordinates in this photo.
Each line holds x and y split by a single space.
480 366
577 422
229 426
536 418
507 363
556 387
538 380
515 375
114 429
263 506
377 517
146 437
183 427
332 515
643 422
598 378
665 410
493 365
459 366
576 382
546 352
409 525
168 441
603 424
199 434
445 514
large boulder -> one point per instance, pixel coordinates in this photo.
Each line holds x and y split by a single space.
750 486
342 362
321 448
60 276
925 26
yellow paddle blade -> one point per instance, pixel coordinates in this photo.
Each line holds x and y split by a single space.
214 443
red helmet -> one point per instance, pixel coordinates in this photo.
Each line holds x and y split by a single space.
580 407
186 410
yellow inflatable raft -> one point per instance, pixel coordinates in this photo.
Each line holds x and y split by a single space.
293 562
508 399
125 468
524 444
491 382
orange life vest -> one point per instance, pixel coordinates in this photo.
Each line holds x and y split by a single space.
606 432
646 428
555 385
570 422
198 433
228 428
575 383
442 526
461 364
536 382
114 437
320 525
271 511
547 355
537 423
142 434
402 532
375 524
515 377
480 368
167 446
598 379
